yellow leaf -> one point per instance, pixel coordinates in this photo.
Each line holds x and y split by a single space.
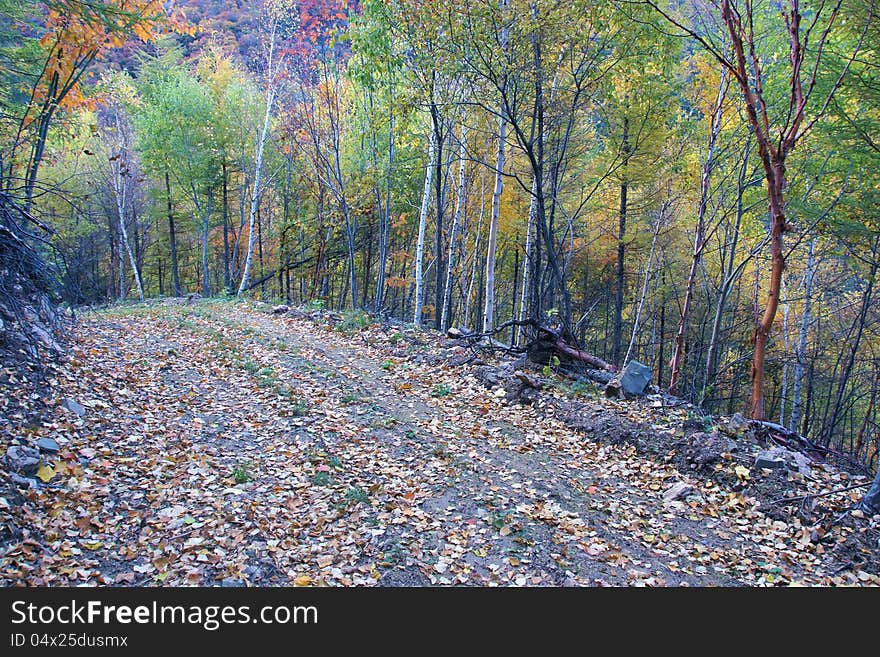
302 580
45 473
97 545
741 471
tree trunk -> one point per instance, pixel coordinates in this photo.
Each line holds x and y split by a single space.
206 280
699 236
528 267
852 349
644 293
227 281
777 266
453 236
438 236
119 170
783 388
801 351
385 228
175 275
731 274
475 258
621 252
258 169
420 244
489 310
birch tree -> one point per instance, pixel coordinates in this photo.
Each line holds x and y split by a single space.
453 234
420 241
277 15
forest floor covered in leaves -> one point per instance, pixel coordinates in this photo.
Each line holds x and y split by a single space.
218 444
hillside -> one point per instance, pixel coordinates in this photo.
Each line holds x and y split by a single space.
217 443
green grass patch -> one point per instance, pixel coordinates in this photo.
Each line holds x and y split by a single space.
441 390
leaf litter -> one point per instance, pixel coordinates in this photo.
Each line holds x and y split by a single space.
222 445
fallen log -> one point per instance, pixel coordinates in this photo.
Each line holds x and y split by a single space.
549 341
583 356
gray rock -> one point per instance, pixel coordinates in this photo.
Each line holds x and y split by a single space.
678 491
707 448
870 503
48 445
455 333
42 336
519 390
802 463
24 482
772 459
74 407
632 382
25 460
487 375
736 425
280 310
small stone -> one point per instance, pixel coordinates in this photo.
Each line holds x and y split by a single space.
74 407
678 491
24 482
708 448
48 445
770 459
735 426
25 460
802 462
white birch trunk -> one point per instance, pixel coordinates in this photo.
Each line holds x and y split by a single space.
423 220
258 166
456 220
524 292
120 191
489 309
475 258
644 293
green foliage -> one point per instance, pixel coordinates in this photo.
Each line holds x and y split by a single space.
583 389
441 390
357 495
298 409
354 321
549 368
241 474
